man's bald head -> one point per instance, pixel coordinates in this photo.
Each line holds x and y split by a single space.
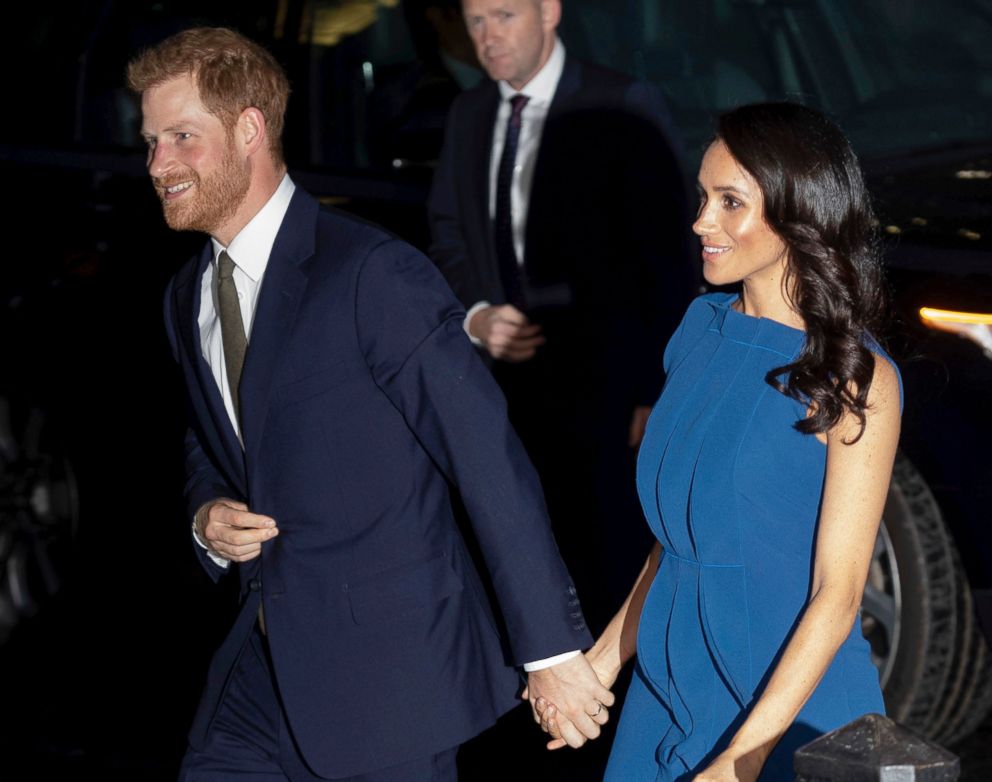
513 38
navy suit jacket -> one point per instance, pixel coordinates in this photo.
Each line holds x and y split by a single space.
606 236
362 404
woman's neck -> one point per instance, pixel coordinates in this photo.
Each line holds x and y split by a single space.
768 301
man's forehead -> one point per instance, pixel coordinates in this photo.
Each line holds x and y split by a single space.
178 90
173 100
492 6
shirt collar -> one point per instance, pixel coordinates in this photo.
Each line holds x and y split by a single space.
251 248
540 89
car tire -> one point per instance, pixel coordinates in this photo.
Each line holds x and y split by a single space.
969 699
934 662
39 513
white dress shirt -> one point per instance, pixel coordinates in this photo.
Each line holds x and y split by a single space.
250 251
540 91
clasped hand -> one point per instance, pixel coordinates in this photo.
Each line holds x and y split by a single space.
568 702
231 531
506 333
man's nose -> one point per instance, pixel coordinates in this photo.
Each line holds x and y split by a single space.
488 34
160 160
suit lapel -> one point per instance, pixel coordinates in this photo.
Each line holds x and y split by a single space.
283 287
187 292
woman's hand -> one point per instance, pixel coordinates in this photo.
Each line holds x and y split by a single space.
731 767
547 712
606 670
608 655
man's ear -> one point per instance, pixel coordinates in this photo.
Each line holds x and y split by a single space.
250 130
550 14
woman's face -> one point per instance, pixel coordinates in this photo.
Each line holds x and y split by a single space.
737 242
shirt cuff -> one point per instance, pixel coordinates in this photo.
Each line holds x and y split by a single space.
539 665
479 305
217 558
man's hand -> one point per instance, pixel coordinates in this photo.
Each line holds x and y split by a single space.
581 702
506 333
229 530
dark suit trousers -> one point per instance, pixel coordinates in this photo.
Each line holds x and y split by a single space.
251 740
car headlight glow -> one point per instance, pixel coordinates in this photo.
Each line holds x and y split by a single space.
976 326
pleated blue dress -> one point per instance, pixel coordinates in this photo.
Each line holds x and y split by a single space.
732 491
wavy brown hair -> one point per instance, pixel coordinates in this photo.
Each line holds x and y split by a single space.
231 72
816 201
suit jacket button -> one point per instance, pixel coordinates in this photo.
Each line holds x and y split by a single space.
254 585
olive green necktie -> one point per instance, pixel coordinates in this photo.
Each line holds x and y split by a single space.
232 332
232 328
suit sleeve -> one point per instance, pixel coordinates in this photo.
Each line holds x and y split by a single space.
656 192
449 249
409 329
203 481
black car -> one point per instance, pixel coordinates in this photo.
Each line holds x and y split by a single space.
911 84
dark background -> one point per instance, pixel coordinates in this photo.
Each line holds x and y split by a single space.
101 681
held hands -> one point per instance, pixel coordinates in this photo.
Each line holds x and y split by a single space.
568 702
506 333
229 530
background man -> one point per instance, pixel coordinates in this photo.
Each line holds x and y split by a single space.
558 217
332 396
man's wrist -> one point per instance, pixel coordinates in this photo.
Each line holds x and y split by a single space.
474 310
547 662
216 558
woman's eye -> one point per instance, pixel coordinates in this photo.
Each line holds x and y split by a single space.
731 203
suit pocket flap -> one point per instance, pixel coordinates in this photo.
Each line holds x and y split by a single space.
404 590
311 385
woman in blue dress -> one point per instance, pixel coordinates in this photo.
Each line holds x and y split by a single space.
763 472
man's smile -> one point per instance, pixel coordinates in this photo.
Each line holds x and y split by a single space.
171 192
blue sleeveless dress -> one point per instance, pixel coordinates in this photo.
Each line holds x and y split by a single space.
732 491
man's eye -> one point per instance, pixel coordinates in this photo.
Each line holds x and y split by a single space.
183 136
504 15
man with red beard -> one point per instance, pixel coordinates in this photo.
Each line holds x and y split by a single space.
333 399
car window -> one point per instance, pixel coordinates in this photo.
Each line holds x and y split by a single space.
897 76
381 77
373 79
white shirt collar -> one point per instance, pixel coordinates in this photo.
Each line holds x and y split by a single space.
251 248
540 89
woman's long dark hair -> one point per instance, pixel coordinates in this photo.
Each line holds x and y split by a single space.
816 201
